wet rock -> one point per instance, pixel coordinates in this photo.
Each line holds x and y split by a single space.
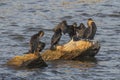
27 61
73 50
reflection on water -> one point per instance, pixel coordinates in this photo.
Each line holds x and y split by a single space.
74 64
68 2
19 19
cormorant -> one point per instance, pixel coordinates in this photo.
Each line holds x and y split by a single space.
80 31
71 30
62 25
90 31
41 46
55 38
35 44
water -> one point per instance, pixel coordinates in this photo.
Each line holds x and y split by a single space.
19 19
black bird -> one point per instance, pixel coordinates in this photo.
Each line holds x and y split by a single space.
71 30
62 25
90 31
35 44
80 30
41 46
55 38
58 30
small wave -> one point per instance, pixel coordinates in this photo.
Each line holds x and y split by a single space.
2 4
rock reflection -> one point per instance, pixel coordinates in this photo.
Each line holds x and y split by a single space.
81 64
80 1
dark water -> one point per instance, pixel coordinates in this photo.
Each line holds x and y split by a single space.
19 19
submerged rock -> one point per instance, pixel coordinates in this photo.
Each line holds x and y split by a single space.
73 50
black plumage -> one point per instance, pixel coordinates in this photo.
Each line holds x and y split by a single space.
90 31
80 31
35 44
71 30
62 25
55 38
41 46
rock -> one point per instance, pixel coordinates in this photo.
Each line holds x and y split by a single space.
73 50
27 61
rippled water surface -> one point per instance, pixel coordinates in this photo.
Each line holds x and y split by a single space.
19 19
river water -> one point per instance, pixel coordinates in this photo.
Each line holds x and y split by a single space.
20 19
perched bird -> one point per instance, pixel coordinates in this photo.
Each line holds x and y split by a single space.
62 25
58 30
71 30
80 31
65 28
35 44
55 38
90 31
